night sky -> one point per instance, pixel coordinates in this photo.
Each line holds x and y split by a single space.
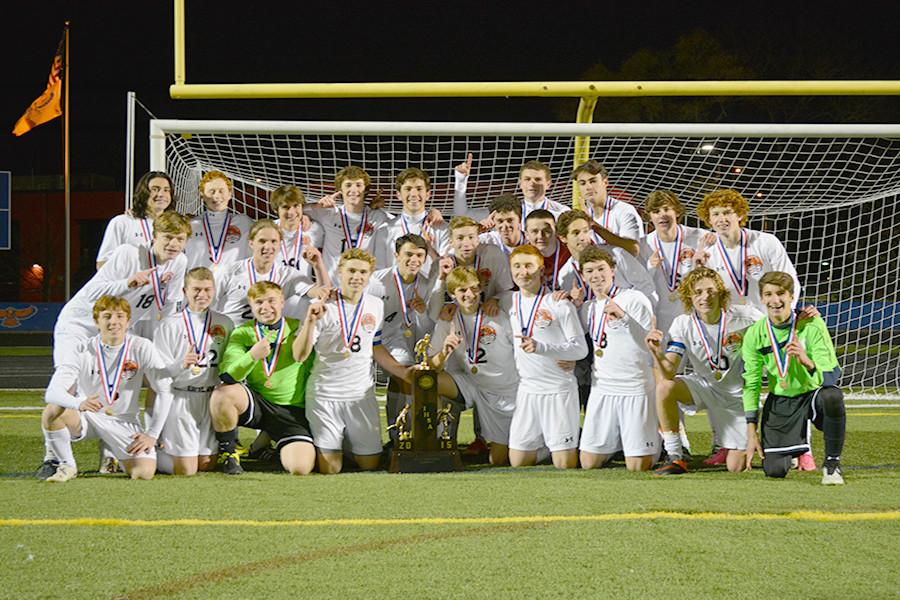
127 45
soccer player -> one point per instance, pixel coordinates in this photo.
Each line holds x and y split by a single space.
477 354
352 225
618 223
264 382
546 331
413 188
506 219
235 281
621 414
403 290
540 232
802 369
574 229
94 393
299 233
153 194
219 236
150 279
340 394
191 343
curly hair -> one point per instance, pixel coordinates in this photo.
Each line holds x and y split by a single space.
686 288
729 198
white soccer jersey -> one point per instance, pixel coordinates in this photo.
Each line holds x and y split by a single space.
625 366
162 296
387 285
555 327
490 350
124 229
233 283
343 371
688 241
630 274
493 238
172 342
619 217
343 230
80 373
460 203
217 240
291 248
402 224
557 208
763 253
686 338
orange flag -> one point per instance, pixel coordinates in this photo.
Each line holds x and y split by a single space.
47 106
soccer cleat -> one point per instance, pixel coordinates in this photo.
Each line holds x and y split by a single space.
806 462
719 457
109 465
47 469
63 473
230 463
478 446
831 474
262 454
672 467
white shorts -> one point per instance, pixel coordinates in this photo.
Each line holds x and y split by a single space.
545 419
115 432
627 423
188 430
330 420
725 412
495 411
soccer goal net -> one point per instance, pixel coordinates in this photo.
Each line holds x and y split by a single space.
830 193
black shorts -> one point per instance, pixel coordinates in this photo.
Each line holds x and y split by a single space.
284 423
784 425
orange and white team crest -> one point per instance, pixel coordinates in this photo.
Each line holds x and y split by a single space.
218 333
754 266
484 276
543 319
233 235
733 342
488 334
129 369
686 261
368 322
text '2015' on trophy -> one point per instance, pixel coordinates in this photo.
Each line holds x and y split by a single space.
426 440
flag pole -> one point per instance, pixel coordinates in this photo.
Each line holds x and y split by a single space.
66 172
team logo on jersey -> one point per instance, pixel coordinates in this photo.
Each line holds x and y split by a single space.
368 322
485 276
488 334
686 261
129 369
233 235
733 342
218 333
754 265
543 319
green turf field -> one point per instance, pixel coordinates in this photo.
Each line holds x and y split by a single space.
485 533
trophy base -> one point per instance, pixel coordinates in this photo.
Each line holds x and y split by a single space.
425 461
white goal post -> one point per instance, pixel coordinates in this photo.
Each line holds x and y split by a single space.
831 193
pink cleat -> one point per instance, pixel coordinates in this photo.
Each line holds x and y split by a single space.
806 462
719 458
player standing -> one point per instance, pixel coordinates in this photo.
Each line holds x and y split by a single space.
299 233
618 222
540 232
219 236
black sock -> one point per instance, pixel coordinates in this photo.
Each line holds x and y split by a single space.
227 441
834 422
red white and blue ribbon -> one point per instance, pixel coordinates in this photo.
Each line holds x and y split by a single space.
360 233
588 292
404 306
296 248
472 341
424 226
603 220
198 343
159 288
528 326
251 270
705 342
146 229
349 328
110 382
739 275
671 277
271 361
782 358
215 244
597 327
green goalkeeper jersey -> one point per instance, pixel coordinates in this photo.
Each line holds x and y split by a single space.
758 355
287 382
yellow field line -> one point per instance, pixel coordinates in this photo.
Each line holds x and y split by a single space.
816 516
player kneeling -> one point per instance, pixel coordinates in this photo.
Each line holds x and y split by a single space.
94 393
192 344
620 414
798 356
264 385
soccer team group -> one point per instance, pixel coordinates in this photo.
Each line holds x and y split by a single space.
534 311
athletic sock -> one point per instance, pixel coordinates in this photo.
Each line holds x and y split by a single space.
227 441
48 450
672 444
60 443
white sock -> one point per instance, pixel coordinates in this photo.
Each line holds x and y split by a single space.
48 451
164 463
60 443
672 444
543 454
682 433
